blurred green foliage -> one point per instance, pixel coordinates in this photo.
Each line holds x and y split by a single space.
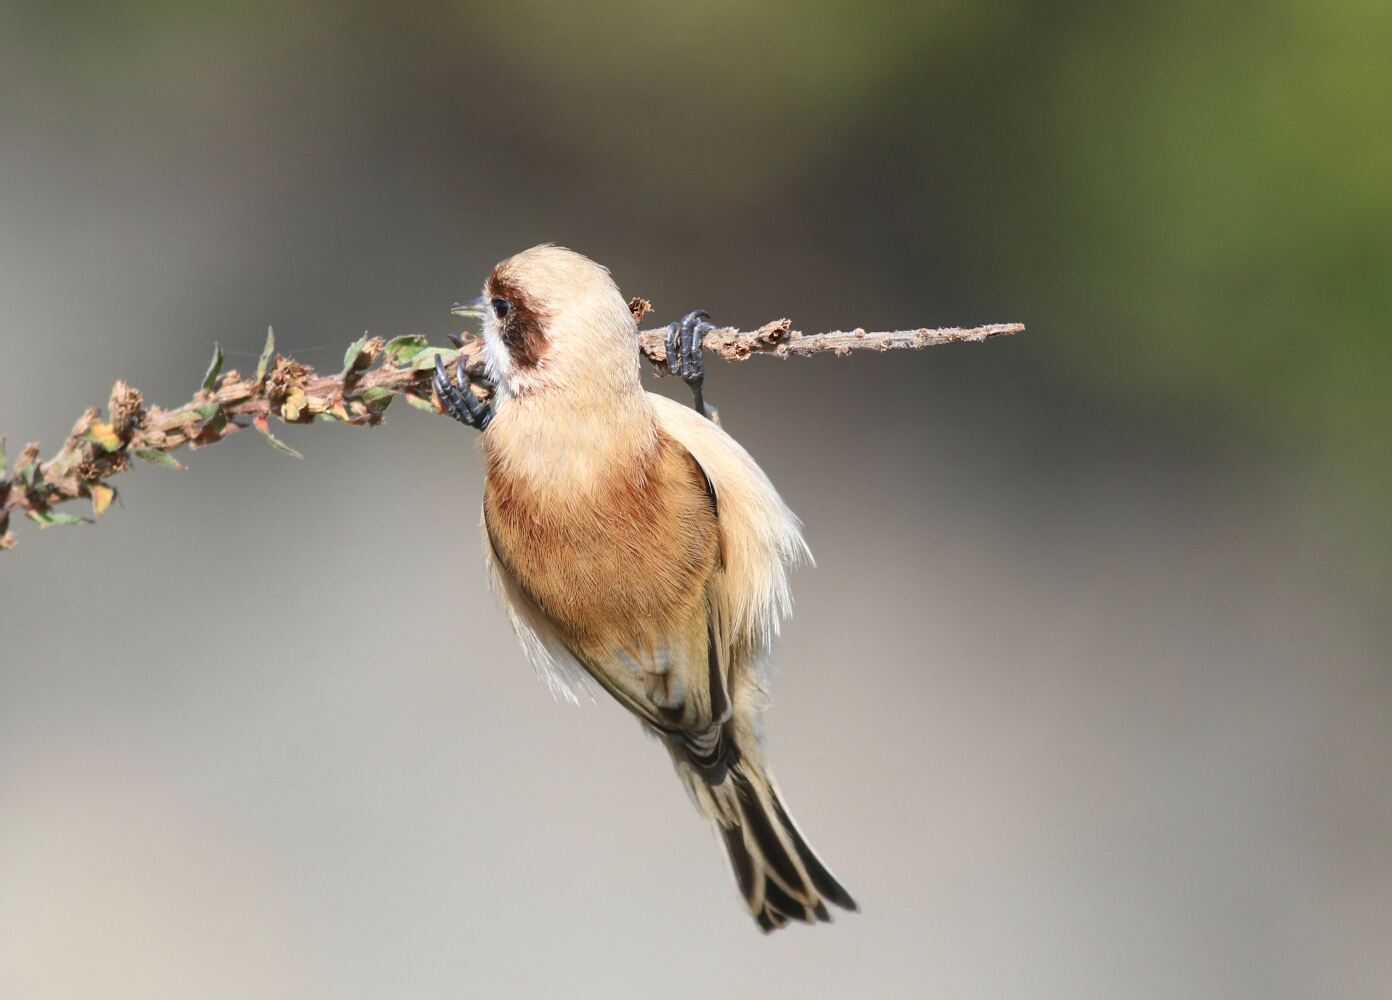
1190 203
1229 176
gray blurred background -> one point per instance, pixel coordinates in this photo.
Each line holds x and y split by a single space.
1088 695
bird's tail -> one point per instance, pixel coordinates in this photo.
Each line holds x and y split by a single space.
778 873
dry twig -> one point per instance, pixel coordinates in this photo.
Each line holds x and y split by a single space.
374 372
781 340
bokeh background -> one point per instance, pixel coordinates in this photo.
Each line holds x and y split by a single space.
1089 693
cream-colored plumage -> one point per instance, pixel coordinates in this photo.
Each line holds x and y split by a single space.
635 542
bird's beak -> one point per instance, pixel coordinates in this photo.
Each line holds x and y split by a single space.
474 307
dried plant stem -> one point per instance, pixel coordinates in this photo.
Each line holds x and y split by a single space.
374 373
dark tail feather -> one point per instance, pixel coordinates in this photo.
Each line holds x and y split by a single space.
822 879
779 875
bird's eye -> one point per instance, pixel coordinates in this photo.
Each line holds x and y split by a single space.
501 307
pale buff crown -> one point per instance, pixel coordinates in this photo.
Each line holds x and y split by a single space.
568 329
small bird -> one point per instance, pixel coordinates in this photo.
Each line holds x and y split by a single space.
635 542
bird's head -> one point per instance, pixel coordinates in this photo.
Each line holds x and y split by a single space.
554 321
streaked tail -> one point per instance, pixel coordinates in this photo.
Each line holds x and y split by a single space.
778 873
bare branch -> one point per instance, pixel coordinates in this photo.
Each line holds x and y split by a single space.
781 340
374 373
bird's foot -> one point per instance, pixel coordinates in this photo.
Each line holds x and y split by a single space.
683 342
460 402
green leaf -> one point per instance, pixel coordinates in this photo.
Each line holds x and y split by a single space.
267 353
401 350
205 411
426 358
419 403
214 369
158 458
351 355
377 398
264 426
280 445
47 518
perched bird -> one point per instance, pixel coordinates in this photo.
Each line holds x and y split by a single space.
634 541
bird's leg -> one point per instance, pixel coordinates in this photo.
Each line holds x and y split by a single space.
460 403
683 342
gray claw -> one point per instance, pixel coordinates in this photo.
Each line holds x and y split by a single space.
683 344
459 402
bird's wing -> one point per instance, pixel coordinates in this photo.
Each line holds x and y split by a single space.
760 538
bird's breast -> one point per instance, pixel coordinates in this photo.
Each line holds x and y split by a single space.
620 554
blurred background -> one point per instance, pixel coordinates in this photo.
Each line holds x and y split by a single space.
1088 695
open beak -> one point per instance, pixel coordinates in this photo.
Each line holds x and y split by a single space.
474 307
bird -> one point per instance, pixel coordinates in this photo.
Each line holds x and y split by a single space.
633 541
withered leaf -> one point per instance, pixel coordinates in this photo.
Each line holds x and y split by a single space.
102 434
102 495
295 402
216 428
